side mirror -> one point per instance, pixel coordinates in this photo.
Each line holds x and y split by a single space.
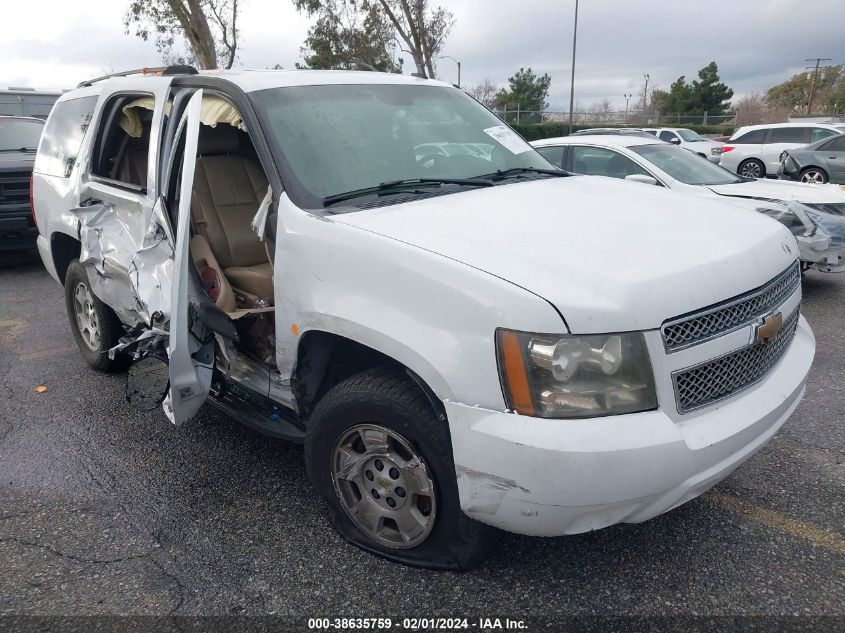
646 180
147 383
675 140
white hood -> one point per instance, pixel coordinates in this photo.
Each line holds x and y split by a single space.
782 190
609 255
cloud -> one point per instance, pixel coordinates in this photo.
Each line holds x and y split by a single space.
55 44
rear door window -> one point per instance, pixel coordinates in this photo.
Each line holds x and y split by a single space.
790 135
121 150
63 136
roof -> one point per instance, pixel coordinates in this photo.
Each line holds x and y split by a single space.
599 139
766 126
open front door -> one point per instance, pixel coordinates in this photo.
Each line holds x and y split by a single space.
190 345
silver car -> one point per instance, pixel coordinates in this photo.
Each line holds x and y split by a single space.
817 163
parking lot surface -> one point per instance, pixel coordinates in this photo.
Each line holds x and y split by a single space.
105 510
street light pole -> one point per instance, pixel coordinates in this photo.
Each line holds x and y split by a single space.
627 97
459 66
572 80
645 96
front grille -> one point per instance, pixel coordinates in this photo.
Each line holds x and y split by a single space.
724 376
14 188
722 318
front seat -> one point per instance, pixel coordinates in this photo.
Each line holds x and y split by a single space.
228 189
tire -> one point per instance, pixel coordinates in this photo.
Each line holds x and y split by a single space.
752 168
389 402
101 331
814 175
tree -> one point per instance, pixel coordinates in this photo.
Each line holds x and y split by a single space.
705 94
208 26
484 93
368 29
527 92
793 94
348 36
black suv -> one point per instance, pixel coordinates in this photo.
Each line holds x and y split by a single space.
19 138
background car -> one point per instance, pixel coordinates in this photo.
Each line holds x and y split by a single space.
689 140
754 150
624 131
814 213
19 138
819 162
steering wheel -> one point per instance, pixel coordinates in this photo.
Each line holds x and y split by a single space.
433 159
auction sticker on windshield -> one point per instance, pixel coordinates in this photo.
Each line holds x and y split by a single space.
507 137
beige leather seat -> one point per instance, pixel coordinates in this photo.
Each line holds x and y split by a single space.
228 189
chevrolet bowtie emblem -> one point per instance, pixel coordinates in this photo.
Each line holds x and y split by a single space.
769 328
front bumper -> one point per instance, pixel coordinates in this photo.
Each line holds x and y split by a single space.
555 477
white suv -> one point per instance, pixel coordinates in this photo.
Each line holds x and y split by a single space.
448 334
754 150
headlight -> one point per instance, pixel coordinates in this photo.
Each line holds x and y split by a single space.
551 376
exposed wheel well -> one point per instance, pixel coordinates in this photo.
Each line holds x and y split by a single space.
64 250
325 359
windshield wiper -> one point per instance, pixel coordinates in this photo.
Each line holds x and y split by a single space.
399 186
19 149
515 171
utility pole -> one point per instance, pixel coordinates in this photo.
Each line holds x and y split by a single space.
645 96
815 69
572 81
627 97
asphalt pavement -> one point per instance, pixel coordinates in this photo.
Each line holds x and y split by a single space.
105 510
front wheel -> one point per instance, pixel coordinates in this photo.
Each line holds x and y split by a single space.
752 168
813 175
95 327
378 453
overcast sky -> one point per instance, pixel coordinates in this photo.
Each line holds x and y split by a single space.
52 44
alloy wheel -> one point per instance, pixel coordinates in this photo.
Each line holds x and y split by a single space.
86 316
751 169
813 176
384 487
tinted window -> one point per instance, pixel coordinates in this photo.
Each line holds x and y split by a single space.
836 145
598 161
818 133
685 166
666 136
63 136
790 135
123 140
552 154
19 134
755 136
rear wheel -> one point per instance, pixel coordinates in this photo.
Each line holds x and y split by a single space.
813 175
382 458
752 168
95 327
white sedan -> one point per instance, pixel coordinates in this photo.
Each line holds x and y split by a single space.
814 213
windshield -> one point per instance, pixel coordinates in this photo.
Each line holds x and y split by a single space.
685 166
335 139
689 136
19 134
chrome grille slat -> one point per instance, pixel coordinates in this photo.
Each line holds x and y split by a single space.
721 377
720 319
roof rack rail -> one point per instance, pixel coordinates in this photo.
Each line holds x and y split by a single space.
157 70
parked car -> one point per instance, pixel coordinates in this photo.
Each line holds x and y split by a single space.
819 162
689 140
754 150
815 215
449 337
19 138
624 131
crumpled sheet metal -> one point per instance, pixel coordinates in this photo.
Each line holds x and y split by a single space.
820 235
129 262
